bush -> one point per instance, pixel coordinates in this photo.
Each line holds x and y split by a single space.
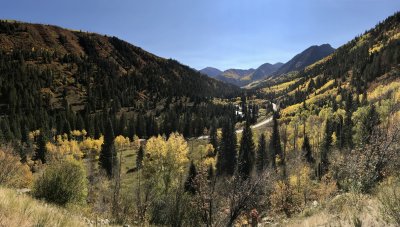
12 172
62 183
389 196
284 199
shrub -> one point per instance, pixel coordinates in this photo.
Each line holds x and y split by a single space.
284 199
389 196
12 172
62 183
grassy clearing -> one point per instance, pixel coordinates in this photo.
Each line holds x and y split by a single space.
129 180
22 210
349 209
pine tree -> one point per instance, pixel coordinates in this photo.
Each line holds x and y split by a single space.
306 149
326 146
90 126
139 158
214 138
131 128
141 126
190 183
80 124
246 152
348 123
41 150
371 121
311 85
67 128
24 133
262 157
227 159
2 139
108 155
5 127
210 172
275 143
122 125
97 130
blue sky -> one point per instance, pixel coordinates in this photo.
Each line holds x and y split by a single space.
220 33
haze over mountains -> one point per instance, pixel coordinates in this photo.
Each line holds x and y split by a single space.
242 77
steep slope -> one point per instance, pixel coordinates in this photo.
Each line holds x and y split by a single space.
237 77
237 73
73 79
354 69
265 70
109 53
211 72
306 58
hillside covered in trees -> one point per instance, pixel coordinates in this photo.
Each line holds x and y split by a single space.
70 79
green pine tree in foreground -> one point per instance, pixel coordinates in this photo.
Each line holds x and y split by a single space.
246 152
108 154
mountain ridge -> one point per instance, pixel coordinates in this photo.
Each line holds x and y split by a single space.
305 58
244 77
74 80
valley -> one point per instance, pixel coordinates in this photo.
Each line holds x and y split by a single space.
93 128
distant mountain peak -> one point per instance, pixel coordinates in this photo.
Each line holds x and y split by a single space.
265 70
242 77
210 71
307 57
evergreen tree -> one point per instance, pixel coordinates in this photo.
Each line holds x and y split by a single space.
275 143
122 125
371 121
326 145
97 130
246 152
16 128
210 172
348 123
67 128
131 128
141 126
339 132
214 138
244 105
24 133
2 139
306 149
311 85
190 183
139 158
108 155
262 157
5 127
90 126
226 161
80 124
41 150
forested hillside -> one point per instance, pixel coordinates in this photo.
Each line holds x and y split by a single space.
70 79
371 58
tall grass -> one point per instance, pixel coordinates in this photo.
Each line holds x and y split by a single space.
21 210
